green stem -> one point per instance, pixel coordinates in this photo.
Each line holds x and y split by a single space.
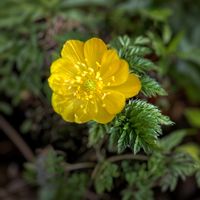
85 165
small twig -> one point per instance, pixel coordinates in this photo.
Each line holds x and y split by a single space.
127 157
16 139
85 165
77 166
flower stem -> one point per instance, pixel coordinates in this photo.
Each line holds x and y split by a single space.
85 165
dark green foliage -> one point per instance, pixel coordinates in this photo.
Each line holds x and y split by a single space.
104 176
160 170
96 133
76 182
48 173
139 126
178 166
197 176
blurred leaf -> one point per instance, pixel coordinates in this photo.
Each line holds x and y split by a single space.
191 148
180 165
175 42
26 126
193 116
192 55
5 108
133 5
161 14
173 139
104 177
167 33
157 44
76 3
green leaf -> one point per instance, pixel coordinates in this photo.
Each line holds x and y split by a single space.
193 116
175 42
136 147
122 142
151 87
173 139
96 133
104 178
190 148
167 33
191 55
197 176
139 126
157 44
26 126
5 108
157 14
179 165
141 40
140 65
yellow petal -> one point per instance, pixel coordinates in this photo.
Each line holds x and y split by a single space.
60 83
130 88
93 50
102 116
63 106
118 77
73 51
86 112
113 101
109 57
63 66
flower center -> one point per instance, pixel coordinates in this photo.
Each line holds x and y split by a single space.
89 85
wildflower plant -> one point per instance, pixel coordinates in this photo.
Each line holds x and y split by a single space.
108 86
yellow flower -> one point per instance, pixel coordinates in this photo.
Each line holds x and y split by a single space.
90 82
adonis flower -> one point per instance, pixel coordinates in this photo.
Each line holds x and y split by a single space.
90 82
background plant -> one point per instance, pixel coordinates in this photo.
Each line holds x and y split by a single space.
162 47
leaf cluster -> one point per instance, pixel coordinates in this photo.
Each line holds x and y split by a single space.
138 126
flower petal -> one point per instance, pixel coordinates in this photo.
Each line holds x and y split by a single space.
86 112
63 106
109 57
102 116
130 88
118 77
93 50
59 83
73 51
113 101
63 66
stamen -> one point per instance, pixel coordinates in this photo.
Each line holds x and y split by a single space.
76 66
108 84
97 75
78 79
103 97
98 64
